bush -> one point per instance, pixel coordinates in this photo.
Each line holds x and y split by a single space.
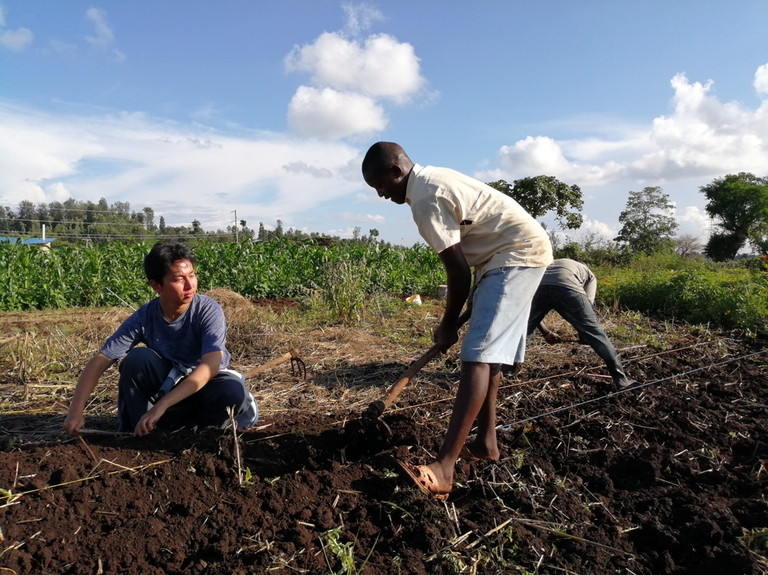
696 292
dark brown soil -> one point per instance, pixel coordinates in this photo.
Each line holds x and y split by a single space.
670 477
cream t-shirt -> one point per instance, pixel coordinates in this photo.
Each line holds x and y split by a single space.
494 230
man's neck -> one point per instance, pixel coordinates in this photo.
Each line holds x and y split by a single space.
171 312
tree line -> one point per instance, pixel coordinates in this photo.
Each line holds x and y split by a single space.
98 222
737 204
73 219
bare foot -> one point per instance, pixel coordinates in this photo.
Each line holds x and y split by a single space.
477 452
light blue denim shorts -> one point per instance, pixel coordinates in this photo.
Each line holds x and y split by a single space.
500 309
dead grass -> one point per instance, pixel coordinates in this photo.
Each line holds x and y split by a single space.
354 364
348 366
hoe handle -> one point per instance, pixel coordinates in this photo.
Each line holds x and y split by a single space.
416 366
287 356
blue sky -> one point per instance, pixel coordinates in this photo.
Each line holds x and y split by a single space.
200 109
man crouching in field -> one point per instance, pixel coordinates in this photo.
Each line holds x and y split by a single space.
179 377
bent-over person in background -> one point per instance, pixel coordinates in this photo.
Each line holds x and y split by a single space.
569 288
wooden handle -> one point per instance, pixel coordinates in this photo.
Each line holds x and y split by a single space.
416 366
274 362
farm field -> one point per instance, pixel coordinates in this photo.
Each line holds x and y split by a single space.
669 477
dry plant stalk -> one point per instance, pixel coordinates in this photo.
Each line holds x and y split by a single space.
238 460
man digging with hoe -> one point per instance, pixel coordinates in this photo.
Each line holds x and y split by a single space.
469 225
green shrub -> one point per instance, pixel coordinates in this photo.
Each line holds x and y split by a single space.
702 293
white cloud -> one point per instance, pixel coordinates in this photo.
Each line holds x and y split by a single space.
349 78
61 47
599 229
694 221
591 231
542 155
103 37
15 40
761 80
360 17
380 67
702 137
304 168
182 173
327 113
362 218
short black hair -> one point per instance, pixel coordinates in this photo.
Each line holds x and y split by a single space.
161 257
382 155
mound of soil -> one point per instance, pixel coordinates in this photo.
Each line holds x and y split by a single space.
669 477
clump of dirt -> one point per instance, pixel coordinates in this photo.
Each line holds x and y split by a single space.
669 477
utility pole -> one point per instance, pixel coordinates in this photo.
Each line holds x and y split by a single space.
236 235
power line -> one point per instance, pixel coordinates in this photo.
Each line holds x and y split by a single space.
80 223
87 223
136 237
634 388
94 208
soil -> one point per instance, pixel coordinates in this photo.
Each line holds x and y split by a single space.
669 477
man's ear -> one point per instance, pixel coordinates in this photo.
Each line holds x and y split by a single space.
155 285
397 172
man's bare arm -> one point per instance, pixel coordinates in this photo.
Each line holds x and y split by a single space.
459 277
86 383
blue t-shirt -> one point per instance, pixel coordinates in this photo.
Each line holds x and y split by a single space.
199 330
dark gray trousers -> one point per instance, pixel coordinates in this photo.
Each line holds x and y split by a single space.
143 371
576 310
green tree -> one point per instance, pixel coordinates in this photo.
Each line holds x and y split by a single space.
44 215
648 225
6 220
26 215
149 218
542 194
739 205
722 247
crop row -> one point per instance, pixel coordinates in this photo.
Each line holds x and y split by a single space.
112 274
